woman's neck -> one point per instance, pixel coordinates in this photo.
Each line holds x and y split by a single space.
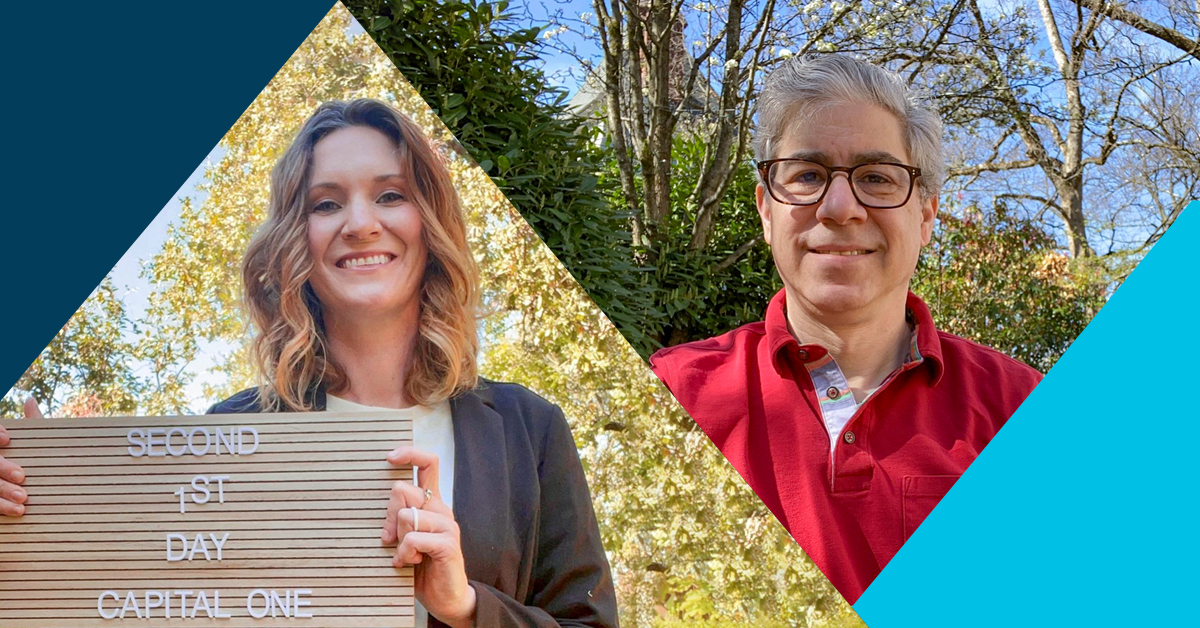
374 354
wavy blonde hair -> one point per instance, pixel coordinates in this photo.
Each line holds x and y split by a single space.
290 349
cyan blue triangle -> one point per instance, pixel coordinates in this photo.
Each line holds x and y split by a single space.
1083 510
109 107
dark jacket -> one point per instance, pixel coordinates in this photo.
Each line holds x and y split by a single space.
529 535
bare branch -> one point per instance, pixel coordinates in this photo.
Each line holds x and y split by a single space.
1000 166
1154 29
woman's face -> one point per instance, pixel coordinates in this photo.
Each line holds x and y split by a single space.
364 234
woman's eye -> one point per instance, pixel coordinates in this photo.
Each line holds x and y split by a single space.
392 197
325 207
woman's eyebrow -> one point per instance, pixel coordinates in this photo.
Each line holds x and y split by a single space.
378 179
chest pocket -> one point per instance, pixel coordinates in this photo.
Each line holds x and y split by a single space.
921 494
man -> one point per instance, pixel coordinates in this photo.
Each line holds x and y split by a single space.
846 411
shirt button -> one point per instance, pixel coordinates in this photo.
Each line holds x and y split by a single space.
803 355
848 437
833 392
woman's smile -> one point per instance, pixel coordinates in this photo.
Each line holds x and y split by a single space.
365 261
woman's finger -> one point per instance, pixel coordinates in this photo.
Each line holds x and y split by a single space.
12 499
403 495
421 524
10 509
11 471
425 462
32 411
3 436
417 545
427 521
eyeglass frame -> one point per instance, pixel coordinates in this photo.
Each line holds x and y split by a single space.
764 172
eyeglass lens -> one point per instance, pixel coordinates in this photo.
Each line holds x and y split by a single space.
875 185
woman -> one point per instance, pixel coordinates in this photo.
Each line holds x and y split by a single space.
363 291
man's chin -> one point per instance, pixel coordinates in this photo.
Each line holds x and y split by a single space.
835 300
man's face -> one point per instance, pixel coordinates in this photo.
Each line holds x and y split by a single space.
837 258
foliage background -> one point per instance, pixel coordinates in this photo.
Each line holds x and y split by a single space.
1065 135
688 542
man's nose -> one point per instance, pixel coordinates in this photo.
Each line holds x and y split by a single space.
361 220
839 205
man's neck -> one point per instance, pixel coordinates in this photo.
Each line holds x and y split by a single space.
867 346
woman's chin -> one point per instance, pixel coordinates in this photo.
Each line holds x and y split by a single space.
370 307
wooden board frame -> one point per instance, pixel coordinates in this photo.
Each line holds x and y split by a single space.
280 512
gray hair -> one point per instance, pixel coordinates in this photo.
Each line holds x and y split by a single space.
804 85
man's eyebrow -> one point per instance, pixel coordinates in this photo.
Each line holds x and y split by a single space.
810 155
876 156
869 157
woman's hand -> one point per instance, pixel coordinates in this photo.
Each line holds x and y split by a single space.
429 539
12 496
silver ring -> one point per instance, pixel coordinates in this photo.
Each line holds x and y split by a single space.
428 496
416 519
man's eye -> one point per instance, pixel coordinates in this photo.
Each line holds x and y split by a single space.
808 176
325 207
392 197
876 178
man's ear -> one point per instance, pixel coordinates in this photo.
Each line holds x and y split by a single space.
763 202
928 216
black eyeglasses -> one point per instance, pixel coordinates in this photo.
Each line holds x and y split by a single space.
799 182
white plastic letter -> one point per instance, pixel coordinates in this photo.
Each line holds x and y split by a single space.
100 604
219 544
192 445
199 545
220 486
300 602
224 440
217 605
170 433
150 442
202 603
157 603
197 488
284 604
242 448
258 614
130 604
136 437
171 556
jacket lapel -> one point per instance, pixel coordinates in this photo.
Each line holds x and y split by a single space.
482 499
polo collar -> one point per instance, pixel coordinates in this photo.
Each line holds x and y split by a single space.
779 339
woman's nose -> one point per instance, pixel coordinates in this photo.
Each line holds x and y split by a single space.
361 220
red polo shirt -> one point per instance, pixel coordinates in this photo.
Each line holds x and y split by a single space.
903 449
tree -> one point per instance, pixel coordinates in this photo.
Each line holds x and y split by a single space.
88 368
1003 282
666 500
1167 34
1041 135
514 127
